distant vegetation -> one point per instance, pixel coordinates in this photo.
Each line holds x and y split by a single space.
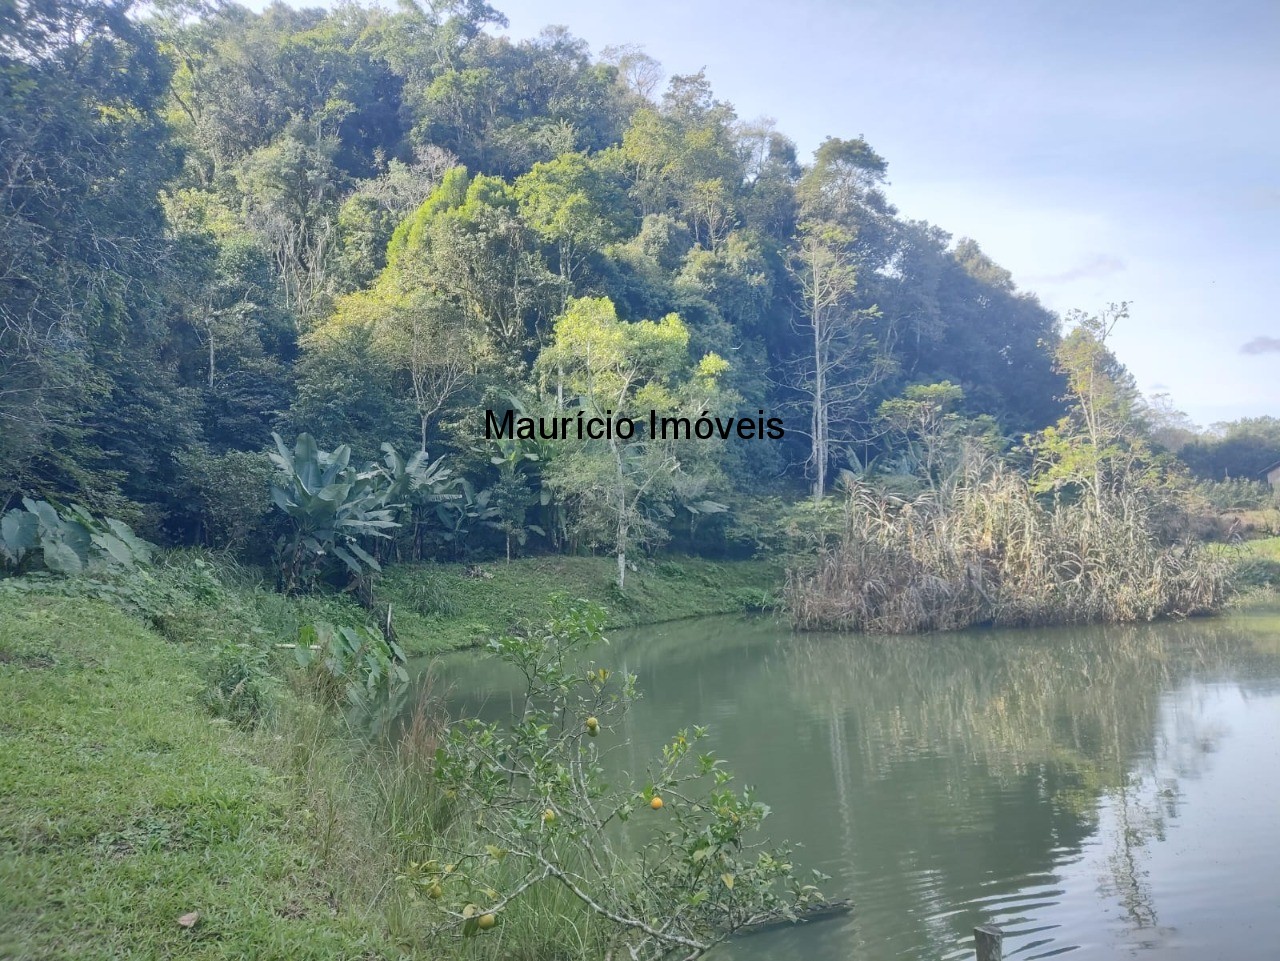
369 226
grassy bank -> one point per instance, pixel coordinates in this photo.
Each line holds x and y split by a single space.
1257 563
125 804
124 807
437 607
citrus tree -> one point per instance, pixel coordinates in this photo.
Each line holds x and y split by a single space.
667 867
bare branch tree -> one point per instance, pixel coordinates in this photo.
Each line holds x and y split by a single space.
842 362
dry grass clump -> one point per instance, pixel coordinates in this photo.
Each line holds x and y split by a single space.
986 550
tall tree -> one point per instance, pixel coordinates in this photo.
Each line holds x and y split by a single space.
617 369
1097 447
841 361
84 152
291 192
570 203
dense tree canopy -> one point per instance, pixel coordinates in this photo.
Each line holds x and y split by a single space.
372 225
1240 449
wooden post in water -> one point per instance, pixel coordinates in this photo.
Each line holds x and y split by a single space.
988 939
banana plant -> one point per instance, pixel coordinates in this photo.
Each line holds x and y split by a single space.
333 505
459 517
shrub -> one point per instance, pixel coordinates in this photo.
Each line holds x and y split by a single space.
241 686
529 815
230 491
355 664
71 541
1238 494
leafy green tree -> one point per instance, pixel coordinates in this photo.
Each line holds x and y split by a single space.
618 486
370 214
421 338
82 250
346 389
924 419
227 493
1236 449
573 206
999 344
683 159
501 106
844 179
242 78
469 244
290 192
1097 450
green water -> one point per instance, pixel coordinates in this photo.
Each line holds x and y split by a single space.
1103 792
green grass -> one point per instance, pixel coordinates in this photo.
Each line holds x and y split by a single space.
1257 563
437 607
1266 549
124 806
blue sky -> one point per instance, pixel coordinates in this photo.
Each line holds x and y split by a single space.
1100 151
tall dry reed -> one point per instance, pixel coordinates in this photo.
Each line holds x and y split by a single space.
985 550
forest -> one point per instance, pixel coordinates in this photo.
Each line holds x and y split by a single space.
371 226
335 339
246 250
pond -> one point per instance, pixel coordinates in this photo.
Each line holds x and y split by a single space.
1104 792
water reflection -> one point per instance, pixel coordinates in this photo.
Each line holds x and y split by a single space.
1081 787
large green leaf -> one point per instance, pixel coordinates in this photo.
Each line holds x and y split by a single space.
306 462
334 493
18 533
281 498
706 507
337 463
282 457
78 513
49 518
61 557
78 537
114 549
347 559
141 549
364 555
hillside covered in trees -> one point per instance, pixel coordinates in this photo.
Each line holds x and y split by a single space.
372 226
288 300
365 224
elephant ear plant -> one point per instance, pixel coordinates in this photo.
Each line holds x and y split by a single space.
333 505
72 541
